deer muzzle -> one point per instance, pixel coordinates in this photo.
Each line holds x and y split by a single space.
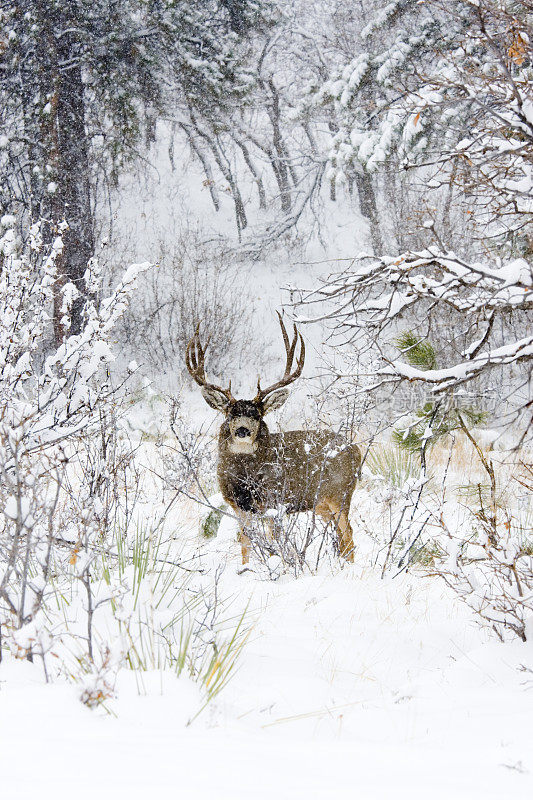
243 433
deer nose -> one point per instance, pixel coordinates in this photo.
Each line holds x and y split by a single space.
242 432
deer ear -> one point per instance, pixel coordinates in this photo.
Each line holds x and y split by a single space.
215 398
275 400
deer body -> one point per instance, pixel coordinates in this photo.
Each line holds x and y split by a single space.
258 470
290 468
301 470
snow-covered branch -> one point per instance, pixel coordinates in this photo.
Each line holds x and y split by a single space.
374 299
444 379
44 413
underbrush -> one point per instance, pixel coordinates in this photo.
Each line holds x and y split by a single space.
84 586
464 515
194 282
125 597
470 524
148 613
459 517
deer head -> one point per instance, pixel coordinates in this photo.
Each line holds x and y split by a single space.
244 426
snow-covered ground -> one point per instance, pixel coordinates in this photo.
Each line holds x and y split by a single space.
349 686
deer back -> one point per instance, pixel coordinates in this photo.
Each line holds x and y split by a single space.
296 469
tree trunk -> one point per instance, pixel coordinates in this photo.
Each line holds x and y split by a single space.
280 160
368 208
74 188
64 160
225 168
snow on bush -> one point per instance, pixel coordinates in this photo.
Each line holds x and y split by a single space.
49 401
490 565
82 587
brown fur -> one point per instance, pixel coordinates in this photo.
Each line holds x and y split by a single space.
257 470
303 470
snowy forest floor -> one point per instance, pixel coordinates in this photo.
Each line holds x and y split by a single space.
349 685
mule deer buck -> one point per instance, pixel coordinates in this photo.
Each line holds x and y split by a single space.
258 470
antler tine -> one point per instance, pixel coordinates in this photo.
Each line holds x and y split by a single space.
290 349
194 356
195 363
284 332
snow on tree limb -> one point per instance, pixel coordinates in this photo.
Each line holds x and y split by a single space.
445 379
374 299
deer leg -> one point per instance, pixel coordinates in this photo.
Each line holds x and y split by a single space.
245 545
271 530
323 510
345 532
242 536
244 539
272 534
339 516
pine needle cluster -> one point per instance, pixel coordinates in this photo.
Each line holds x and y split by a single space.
430 423
419 352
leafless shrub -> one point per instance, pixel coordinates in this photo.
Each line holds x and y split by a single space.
98 684
194 282
101 489
78 588
294 544
45 412
491 567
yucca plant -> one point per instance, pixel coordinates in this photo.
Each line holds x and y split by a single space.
218 670
393 464
154 618
211 523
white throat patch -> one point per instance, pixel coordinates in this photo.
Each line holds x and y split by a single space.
242 447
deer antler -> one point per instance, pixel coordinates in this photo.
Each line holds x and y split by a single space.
290 349
195 362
